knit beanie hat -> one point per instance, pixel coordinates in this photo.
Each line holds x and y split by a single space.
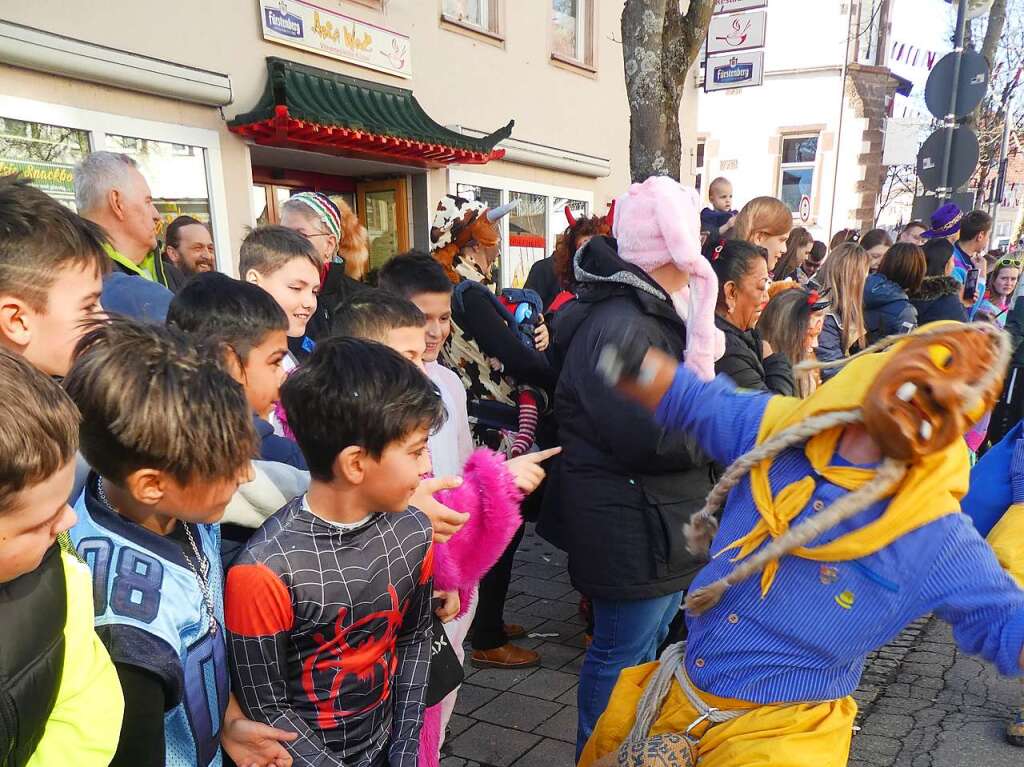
323 208
658 223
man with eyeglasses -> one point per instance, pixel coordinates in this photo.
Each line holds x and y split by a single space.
188 249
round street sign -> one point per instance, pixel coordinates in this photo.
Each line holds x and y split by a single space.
805 208
962 161
971 90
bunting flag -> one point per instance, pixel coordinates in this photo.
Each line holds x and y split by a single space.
913 56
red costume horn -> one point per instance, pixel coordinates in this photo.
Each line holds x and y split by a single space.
610 216
569 216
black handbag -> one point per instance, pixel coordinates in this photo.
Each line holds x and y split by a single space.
446 672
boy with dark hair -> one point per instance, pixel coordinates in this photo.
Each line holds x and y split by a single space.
329 606
376 315
969 255
169 437
51 266
60 702
285 264
247 329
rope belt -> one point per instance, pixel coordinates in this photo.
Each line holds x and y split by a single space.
673 667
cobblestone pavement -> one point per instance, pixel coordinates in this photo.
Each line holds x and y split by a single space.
926 704
923 703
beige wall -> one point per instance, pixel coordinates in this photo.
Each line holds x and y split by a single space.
459 78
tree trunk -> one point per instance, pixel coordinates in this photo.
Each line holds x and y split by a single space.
658 46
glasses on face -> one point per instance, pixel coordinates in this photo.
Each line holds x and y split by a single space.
309 236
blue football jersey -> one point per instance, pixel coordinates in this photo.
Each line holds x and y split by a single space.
150 613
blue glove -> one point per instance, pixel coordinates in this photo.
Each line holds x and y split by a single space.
1017 471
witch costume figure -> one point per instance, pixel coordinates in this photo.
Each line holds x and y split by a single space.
840 526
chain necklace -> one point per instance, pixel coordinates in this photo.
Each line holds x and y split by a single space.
200 569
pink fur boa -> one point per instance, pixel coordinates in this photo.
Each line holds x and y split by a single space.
489 495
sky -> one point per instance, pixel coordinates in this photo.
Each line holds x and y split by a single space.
927 24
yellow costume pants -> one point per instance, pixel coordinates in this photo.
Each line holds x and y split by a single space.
801 735
1007 540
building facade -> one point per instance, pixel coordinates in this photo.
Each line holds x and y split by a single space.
813 133
232 106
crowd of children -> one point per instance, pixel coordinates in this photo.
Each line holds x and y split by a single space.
258 531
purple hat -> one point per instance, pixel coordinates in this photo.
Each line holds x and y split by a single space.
945 221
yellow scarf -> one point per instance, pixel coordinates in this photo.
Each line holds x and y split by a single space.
932 487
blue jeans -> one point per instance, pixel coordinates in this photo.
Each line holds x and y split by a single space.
626 633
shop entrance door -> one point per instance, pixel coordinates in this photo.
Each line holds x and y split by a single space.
384 211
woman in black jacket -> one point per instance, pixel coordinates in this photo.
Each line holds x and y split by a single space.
742 271
626 487
938 298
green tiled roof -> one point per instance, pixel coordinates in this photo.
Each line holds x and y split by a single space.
321 97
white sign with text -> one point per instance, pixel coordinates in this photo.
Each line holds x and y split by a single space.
301 24
733 6
734 70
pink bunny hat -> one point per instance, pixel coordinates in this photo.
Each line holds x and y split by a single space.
658 223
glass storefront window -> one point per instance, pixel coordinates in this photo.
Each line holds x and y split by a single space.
43 153
176 174
527 235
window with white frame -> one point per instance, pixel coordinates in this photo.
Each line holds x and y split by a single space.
481 14
529 233
44 154
572 25
44 142
796 171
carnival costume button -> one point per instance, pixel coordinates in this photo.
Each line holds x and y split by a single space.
845 600
733 618
699 663
818 505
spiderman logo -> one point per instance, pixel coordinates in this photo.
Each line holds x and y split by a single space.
359 658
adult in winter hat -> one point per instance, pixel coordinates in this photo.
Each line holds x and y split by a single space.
945 222
657 223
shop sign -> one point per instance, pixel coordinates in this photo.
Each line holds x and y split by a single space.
52 178
734 70
734 6
301 24
737 33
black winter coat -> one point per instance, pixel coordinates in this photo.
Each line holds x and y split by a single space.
743 362
887 310
626 487
938 299
34 607
543 281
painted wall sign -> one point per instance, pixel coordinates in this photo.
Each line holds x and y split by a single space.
301 24
734 70
737 33
733 6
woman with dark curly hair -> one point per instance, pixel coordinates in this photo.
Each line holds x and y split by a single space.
552 278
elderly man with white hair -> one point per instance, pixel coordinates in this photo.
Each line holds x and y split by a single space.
110 191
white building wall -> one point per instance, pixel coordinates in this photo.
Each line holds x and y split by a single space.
801 95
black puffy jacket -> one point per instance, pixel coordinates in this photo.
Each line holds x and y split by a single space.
743 362
34 609
938 298
625 486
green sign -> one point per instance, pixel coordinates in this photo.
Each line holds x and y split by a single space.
52 178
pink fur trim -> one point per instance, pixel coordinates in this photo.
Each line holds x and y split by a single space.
489 495
430 737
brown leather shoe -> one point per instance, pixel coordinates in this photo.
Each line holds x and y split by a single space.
507 656
514 631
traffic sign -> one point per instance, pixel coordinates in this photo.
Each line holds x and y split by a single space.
970 91
926 204
805 208
737 33
962 162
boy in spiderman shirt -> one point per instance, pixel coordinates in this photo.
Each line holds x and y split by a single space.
328 608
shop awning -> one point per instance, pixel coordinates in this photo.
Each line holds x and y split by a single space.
316 110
